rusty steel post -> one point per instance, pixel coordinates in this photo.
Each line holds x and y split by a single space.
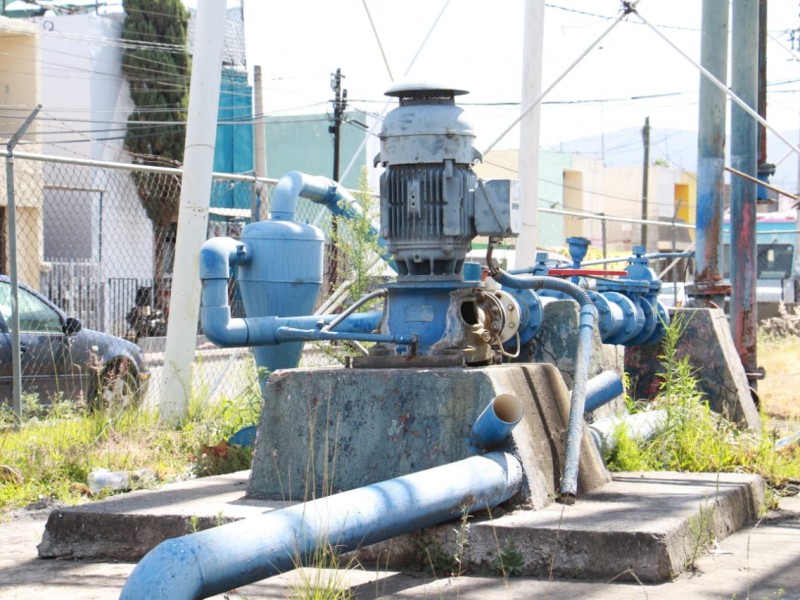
744 150
708 285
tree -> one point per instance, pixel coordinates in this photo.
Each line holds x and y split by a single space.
157 66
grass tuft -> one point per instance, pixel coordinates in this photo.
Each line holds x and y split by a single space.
694 438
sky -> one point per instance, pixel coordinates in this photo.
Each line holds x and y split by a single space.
476 45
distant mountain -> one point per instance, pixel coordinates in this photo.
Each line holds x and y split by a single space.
678 148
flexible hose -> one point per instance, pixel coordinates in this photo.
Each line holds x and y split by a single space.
587 320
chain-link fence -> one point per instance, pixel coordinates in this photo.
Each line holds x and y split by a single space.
96 241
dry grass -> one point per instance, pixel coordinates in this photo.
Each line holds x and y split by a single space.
780 389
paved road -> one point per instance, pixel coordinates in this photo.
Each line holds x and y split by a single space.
760 562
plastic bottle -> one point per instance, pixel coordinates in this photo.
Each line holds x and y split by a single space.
100 479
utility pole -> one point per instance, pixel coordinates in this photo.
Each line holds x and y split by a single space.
765 170
198 163
339 111
260 145
645 177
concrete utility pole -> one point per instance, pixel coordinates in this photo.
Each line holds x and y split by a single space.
744 142
198 164
260 144
532 50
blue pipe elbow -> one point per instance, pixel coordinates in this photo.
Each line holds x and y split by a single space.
218 255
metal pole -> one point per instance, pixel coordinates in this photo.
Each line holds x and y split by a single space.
708 283
645 178
16 355
604 233
744 143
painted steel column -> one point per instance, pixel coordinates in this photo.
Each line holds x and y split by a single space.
198 165
711 155
744 148
533 36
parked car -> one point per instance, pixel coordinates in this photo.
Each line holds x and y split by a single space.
61 357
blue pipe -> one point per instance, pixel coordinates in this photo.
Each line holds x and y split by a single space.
496 421
602 389
217 256
587 318
332 196
233 555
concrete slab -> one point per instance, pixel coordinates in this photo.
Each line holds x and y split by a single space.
759 561
647 526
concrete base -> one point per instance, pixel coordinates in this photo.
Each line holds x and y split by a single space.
328 430
708 343
648 526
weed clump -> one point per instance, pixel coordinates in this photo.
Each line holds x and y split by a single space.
49 455
691 437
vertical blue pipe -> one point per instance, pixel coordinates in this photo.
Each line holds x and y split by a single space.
711 149
586 321
744 150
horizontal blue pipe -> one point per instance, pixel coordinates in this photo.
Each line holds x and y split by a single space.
227 332
602 389
314 335
233 555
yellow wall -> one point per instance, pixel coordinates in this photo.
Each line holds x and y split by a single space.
19 94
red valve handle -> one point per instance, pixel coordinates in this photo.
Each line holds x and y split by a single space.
585 272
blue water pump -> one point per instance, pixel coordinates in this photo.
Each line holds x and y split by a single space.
432 205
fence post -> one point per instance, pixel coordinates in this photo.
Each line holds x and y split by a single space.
16 356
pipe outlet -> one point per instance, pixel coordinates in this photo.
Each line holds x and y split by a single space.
496 421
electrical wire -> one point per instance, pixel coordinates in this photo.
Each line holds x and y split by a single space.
721 86
628 7
363 144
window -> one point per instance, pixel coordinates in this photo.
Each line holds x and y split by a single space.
774 261
34 314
